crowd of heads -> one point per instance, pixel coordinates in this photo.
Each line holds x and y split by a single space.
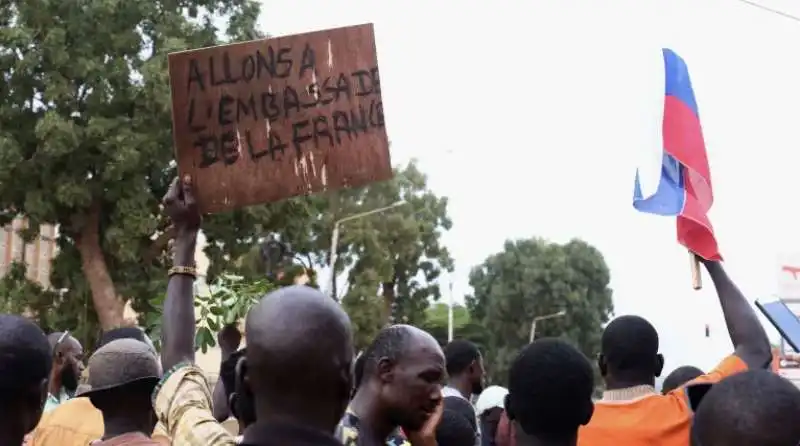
299 362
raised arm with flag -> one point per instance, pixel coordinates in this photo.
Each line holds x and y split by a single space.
684 187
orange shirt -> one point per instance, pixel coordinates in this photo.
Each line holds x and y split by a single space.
652 419
76 423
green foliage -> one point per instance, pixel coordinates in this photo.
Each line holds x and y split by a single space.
365 308
531 278
463 326
226 301
396 254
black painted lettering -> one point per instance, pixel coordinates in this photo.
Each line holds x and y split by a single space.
325 96
275 145
300 135
283 63
313 94
341 125
254 154
358 120
229 77
248 68
225 109
308 61
212 72
320 129
195 76
220 71
291 101
364 82
376 114
229 147
265 63
341 88
376 80
269 106
246 107
209 154
193 128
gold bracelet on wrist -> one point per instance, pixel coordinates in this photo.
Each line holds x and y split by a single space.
183 270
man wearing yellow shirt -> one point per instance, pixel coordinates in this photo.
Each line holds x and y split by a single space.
77 422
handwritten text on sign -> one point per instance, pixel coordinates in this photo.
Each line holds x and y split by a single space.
265 120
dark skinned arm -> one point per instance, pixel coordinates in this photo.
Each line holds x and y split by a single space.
178 324
228 339
220 402
746 332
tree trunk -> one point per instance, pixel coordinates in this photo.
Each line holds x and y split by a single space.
387 289
108 305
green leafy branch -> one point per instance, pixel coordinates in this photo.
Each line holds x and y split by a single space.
224 302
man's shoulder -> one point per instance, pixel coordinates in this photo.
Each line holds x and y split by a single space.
347 430
74 418
451 391
654 410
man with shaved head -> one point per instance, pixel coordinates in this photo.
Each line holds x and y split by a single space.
296 368
401 388
67 368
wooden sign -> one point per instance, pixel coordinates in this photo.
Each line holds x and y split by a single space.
260 121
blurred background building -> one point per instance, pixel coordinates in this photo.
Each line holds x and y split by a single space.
38 255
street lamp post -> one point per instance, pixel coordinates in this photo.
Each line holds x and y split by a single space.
543 318
335 239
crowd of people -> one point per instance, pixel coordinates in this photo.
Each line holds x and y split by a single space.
297 381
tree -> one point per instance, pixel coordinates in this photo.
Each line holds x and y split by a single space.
85 141
396 254
463 327
531 278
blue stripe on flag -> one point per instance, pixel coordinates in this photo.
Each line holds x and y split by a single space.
670 196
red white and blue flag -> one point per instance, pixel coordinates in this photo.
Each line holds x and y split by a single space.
683 189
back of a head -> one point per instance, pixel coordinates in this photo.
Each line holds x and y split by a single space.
550 385
679 377
125 333
757 407
391 342
454 430
630 346
358 370
299 348
459 355
123 373
227 372
463 407
25 362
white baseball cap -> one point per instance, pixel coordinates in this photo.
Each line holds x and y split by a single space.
491 397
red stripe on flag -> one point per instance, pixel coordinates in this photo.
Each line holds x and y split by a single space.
683 139
694 228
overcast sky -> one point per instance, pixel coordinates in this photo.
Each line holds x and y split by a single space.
530 117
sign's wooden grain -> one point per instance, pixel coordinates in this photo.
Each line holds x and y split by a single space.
260 121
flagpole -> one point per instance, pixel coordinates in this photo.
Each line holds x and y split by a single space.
450 314
697 279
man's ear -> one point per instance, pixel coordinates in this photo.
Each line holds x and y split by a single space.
385 370
659 364
602 365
